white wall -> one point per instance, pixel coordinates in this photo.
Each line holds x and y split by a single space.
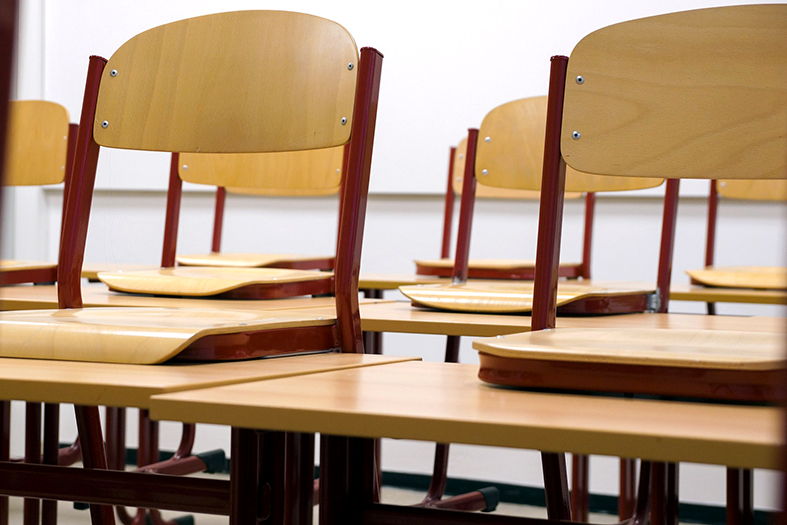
446 64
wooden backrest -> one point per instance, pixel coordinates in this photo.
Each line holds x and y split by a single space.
299 173
755 190
245 82
511 153
288 84
696 94
37 143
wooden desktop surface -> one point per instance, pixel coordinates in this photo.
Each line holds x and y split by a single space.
28 297
132 385
402 317
446 402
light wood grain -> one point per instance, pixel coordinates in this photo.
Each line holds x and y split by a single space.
90 270
756 277
392 281
242 260
755 190
128 385
36 144
649 103
511 152
202 281
507 296
301 173
132 335
25 265
491 264
707 349
96 295
686 292
286 86
388 401
404 318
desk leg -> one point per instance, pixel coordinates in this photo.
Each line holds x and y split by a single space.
299 489
32 507
272 472
664 494
579 487
556 486
51 456
347 478
93 456
244 491
5 451
626 488
739 497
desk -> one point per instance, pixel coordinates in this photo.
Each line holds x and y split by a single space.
389 402
131 386
690 292
26 297
402 317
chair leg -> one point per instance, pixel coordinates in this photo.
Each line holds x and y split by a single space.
672 493
627 489
739 497
93 455
31 506
51 456
641 513
556 486
580 498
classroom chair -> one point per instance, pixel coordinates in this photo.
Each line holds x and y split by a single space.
329 100
40 152
505 153
498 268
753 277
287 174
629 102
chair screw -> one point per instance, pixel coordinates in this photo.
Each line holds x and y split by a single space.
105 124
575 135
113 73
484 172
344 121
350 66
580 79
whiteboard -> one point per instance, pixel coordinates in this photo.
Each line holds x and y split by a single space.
447 63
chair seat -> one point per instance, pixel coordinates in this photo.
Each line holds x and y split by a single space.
134 335
16 272
758 277
203 281
258 260
695 363
517 297
492 268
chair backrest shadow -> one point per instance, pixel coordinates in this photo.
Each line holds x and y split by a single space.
40 152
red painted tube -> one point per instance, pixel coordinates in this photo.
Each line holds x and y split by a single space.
8 25
448 215
713 208
466 207
550 218
174 194
667 244
587 242
354 197
80 195
218 219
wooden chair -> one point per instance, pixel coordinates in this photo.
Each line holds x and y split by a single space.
501 158
752 277
329 100
40 152
288 174
610 114
498 268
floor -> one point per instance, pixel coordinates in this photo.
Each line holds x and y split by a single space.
68 516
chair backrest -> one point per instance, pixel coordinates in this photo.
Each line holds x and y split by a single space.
239 82
696 94
37 143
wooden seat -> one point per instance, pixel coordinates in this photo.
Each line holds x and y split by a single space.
507 154
288 174
497 268
609 115
40 151
755 277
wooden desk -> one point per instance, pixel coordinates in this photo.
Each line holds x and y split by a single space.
391 402
402 317
26 297
90 270
388 401
392 281
688 292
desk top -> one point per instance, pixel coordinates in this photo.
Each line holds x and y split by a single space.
132 385
392 281
688 292
391 401
402 317
28 297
